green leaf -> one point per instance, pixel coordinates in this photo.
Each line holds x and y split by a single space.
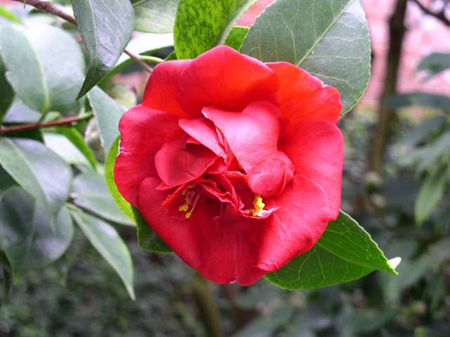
203 24
38 170
147 238
6 92
120 201
44 65
431 193
424 131
154 16
26 233
344 253
5 13
143 44
435 63
328 38
89 192
75 137
108 243
108 113
106 28
420 99
7 275
236 37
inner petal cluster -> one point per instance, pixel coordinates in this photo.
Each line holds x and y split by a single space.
230 157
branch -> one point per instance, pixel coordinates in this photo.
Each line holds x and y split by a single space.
440 15
54 10
59 122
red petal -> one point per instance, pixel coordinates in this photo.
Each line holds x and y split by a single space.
179 162
160 92
204 131
296 226
227 79
143 132
304 97
253 138
316 150
223 251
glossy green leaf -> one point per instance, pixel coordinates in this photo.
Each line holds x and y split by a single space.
108 113
420 99
38 170
106 28
120 201
108 243
435 63
44 65
154 16
236 37
203 24
143 44
65 149
5 13
431 193
344 253
6 92
26 234
328 38
89 192
147 238
75 137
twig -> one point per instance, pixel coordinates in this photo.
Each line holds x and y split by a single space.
439 15
54 10
59 122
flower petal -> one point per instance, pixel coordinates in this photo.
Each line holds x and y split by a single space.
304 97
227 79
160 92
296 226
143 132
223 251
179 161
253 138
316 150
203 131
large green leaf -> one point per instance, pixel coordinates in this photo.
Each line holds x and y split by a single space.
236 37
76 138
106 28
154 16
26 234
89 192
202 24
108 113
431 193
328 38
143 44
120 201
108 243
6 92
344 253
44 65
435 63
147 238
38 170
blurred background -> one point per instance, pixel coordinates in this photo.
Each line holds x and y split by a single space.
396 184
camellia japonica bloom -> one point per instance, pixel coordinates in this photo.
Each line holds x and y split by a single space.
236 164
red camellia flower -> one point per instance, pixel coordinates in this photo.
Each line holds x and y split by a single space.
236 164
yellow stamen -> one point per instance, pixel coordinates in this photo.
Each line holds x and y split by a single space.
188 199
258 206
